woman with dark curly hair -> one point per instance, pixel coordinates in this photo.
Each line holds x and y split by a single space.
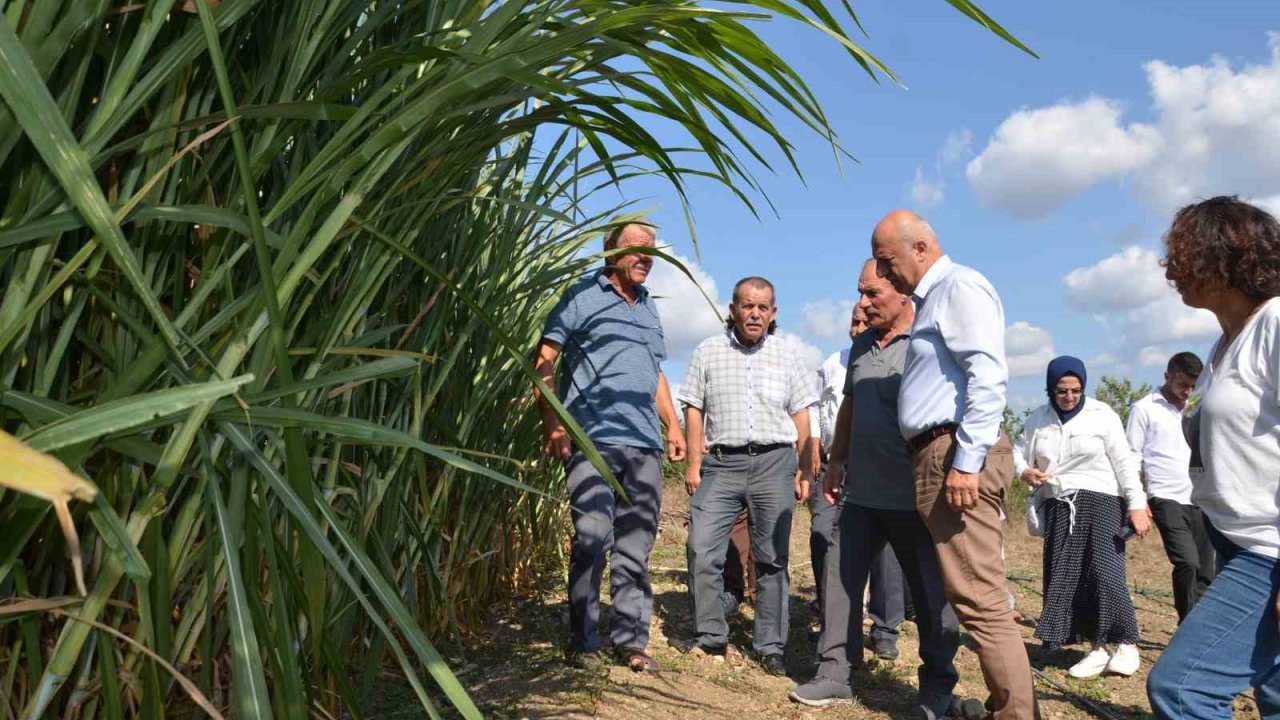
1224 255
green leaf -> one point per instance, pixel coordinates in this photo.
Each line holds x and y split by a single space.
121 415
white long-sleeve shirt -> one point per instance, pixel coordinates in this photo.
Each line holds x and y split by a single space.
1088 452
1155 435
822 417
955 371
1239 418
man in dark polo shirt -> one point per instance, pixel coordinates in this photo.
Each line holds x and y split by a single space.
606 327
869 475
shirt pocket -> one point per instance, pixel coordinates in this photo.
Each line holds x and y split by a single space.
771 387
1086 445
1044 448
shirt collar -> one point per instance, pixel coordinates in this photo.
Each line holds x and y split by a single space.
602 280
1159 398
931 278
733 342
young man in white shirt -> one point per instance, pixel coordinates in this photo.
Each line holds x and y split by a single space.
1155 435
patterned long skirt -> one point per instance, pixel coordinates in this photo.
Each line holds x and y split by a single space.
1086 593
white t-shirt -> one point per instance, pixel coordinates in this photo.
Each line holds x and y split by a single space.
1155 434
1239 417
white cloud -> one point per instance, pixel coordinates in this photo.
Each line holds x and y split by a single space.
1028 349
957 147
1101 361
1152 355
1214 130
1041 158
826 320
1129 279
810 355
926 192
1128 295
928 188
687 318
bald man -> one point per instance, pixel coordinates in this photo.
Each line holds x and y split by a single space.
949 409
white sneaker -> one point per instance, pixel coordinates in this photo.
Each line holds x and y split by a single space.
1125 661
1092 664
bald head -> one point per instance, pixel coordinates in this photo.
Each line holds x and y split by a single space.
904 247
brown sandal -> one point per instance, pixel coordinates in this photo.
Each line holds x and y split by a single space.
638 660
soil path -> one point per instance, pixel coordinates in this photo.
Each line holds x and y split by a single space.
516 671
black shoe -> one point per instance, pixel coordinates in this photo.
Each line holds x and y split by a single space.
774 664
970 709
693 647
884 648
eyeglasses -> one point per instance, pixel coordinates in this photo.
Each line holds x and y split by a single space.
1064 392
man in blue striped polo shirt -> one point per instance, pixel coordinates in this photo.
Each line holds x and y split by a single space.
606 329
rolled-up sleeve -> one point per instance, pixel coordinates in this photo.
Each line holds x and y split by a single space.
973 330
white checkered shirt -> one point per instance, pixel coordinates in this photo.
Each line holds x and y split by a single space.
748 395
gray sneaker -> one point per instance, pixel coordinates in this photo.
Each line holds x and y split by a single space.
820 692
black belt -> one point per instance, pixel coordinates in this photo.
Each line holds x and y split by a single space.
921 441
748 449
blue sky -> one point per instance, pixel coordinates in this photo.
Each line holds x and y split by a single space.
1054 177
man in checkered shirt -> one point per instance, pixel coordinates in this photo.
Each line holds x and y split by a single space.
747 397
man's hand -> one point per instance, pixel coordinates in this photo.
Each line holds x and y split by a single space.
675 444
802 485
692 479
1034 477
833 482
1141 521
962 490
555 440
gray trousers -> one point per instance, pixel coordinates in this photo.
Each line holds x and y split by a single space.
603 524
887 606
861 533
765 485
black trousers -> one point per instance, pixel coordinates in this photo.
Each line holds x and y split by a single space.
1189 549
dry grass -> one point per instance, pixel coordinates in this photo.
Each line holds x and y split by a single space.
522 676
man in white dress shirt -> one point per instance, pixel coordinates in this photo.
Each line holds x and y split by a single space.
950 404
1155 434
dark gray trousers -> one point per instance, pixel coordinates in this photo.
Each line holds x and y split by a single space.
765 485
887 606
861 533
604 524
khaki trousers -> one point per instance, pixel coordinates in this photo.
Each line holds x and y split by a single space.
969 554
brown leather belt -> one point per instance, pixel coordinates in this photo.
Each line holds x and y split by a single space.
921 441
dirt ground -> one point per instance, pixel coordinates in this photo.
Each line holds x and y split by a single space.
516 669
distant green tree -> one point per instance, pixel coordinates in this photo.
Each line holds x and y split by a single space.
1120 394
1012 422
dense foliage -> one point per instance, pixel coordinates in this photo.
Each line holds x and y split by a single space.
271 275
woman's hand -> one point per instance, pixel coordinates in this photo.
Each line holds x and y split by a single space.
1141 521
1034 477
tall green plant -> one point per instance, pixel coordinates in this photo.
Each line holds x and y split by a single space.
366 207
